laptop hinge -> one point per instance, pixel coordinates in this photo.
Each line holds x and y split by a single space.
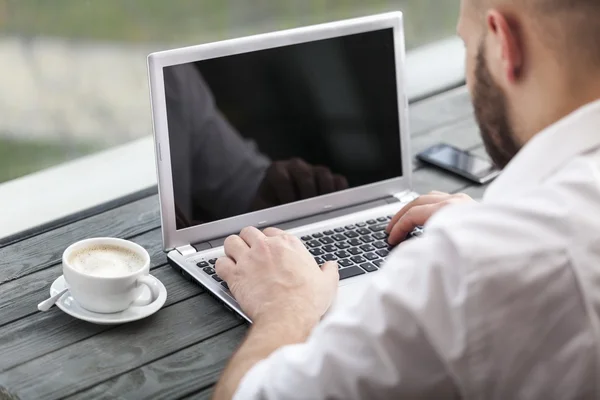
186 250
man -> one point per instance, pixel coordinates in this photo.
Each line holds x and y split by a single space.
498 300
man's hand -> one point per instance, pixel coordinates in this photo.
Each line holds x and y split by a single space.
418 212
280 287
293 180
272 273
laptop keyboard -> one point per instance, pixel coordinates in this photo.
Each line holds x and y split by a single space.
359 249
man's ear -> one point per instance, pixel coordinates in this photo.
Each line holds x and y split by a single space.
504 45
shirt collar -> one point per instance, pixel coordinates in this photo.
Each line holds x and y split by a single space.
547 151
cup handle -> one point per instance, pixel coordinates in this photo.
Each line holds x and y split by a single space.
151 284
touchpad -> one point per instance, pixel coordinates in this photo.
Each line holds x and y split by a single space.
351 291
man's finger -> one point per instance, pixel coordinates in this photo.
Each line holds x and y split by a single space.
224 268
251 235
235 247
419 201
271 232
416 216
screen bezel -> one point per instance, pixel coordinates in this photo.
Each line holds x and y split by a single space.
173 238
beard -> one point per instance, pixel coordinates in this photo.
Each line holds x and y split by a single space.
491 113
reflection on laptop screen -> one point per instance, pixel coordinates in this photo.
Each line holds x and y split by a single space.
262 129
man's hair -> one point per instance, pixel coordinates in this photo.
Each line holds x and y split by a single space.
569 27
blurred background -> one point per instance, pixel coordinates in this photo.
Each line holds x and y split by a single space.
73 77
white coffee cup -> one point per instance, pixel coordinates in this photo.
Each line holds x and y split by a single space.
108 294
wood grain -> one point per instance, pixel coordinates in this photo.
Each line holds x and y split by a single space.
43 251
119 350
42 333
183 373
20 297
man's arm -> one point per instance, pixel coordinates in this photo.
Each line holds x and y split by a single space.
282 289
383 346
264 338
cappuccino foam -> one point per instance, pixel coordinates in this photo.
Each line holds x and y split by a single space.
106 261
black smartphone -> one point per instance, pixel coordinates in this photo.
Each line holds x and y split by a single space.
460 162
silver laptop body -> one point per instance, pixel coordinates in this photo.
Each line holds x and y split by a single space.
207 192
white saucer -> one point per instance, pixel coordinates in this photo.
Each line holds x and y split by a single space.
68 304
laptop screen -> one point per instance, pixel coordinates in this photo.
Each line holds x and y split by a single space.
262 129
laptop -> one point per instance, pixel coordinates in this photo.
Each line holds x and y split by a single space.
303 129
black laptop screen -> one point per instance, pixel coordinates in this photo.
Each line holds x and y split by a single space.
261 129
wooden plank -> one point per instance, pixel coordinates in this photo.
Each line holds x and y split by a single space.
20 297
43 333
463 134
183 373
119 350
439 110
121 201
45 250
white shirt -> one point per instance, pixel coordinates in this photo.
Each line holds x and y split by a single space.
499 300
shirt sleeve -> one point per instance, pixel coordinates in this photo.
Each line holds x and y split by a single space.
490 303
391 343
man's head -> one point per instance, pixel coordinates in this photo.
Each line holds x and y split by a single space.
529 64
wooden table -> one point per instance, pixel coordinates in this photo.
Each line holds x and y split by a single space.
180 351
